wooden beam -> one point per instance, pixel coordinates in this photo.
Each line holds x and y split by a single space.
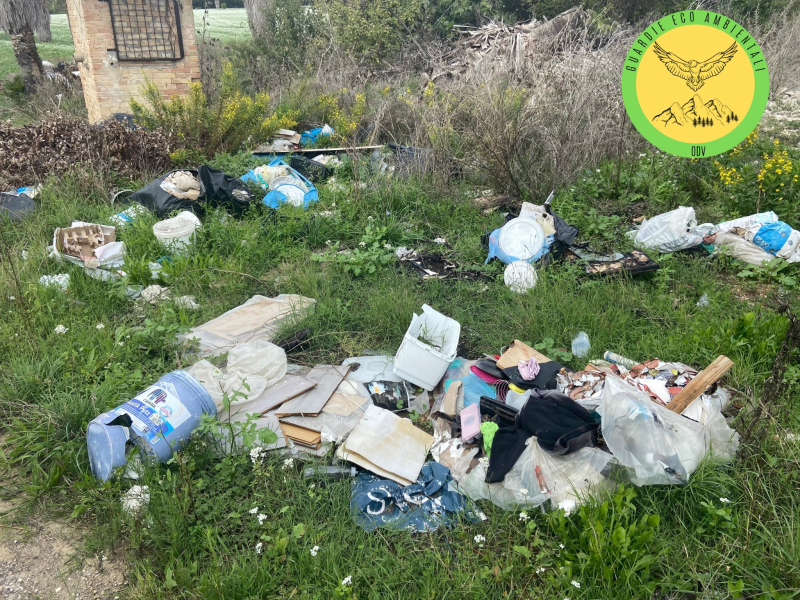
697 386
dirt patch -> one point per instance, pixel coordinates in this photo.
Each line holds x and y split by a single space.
40 559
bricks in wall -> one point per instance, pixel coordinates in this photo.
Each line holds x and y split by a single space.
109 84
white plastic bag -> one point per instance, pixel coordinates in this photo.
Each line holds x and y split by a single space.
657 445
672 231
741 249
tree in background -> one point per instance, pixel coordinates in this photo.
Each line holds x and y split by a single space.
258 13
21 19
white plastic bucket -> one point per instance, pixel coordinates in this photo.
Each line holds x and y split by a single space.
428 348
176 233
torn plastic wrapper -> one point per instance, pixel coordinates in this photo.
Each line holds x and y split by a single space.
657 446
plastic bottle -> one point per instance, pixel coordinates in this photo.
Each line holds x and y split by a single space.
580 344
329 472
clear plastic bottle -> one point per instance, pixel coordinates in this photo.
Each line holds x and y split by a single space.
581 345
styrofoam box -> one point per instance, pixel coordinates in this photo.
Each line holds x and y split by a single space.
427 349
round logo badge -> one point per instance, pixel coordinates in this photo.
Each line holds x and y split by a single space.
695 83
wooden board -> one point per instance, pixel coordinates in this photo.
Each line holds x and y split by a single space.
517 352
704 379
290 386
327 379
451 398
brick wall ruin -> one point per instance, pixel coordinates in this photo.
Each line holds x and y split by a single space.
120 43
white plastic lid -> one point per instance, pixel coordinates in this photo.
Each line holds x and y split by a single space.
520 276
521 238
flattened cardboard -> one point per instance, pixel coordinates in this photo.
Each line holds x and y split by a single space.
256 319
327 378
517 352
387 445
301 434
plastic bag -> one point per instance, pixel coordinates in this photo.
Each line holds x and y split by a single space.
658 446
538 476
741 249
672 231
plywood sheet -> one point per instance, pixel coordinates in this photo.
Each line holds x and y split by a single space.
327 379
286 388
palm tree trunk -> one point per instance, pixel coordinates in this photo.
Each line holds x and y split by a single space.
217 3
28 59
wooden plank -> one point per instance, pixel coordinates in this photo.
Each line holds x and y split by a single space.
290 386
700 384
312 402
518 351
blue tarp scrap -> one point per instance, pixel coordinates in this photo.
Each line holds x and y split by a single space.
422 506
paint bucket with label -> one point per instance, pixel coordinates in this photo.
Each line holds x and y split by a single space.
158 421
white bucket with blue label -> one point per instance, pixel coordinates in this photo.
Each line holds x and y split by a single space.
158 420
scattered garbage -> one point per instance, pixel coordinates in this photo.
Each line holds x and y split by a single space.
176 234
428 348
672 231
155 294
165 195
17 204
292 187
135 499
426 504
61 281
256 319
331 473
157 421
92 246
520 276
312 136
433 265
129 215
581 345
630 263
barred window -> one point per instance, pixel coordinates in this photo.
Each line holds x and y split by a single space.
147 29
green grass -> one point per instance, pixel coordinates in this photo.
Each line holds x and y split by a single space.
197 539
227 25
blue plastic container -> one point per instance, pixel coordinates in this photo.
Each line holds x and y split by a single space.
158 421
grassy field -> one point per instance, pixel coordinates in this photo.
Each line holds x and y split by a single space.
732 532
227 25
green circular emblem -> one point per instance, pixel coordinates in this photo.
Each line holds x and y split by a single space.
695 83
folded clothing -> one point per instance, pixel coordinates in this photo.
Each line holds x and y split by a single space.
545 379
560 425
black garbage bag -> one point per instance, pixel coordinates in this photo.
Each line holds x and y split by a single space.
216 189
15 207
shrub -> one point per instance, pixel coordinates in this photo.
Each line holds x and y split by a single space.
232 122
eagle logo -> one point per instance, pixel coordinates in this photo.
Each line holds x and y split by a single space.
694 72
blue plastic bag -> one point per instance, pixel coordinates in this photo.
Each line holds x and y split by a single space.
312 135
772 236
496 252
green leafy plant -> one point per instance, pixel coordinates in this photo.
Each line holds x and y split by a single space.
372 253
548 347
776 270
607 541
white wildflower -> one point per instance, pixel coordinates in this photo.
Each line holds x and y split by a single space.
287 464
12 298
314 550
120 343
598 170
61 329
387 246
539 571
369 218
255 454
261 518
362 244
99 326
254 510
329 243
577 584
562 546
479 539
484 461
724 500
440 241
347 580
312 486
523 516
259 545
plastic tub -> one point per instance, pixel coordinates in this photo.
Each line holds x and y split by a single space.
427 349
158 420
521 238
520 276
176 233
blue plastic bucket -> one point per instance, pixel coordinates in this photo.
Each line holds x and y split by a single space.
158 421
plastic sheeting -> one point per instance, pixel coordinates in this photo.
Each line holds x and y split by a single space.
658 446
425 505
539 476
672 231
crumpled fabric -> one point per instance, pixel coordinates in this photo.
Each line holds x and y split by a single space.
528 368
488 429
425 505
